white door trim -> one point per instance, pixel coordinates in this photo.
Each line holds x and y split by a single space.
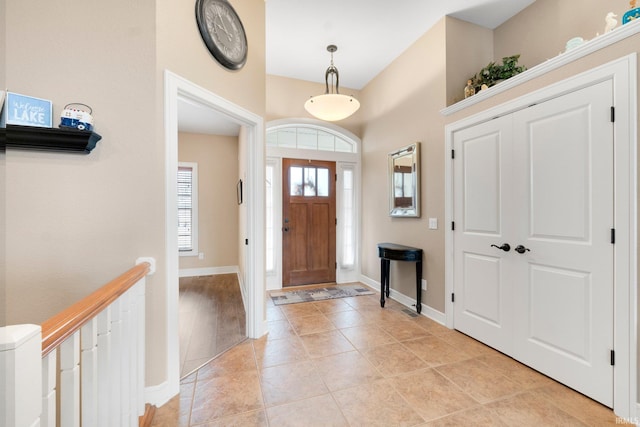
176 87
623 73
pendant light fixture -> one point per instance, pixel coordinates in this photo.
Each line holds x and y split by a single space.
332 106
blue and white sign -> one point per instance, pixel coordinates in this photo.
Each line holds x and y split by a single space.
26 111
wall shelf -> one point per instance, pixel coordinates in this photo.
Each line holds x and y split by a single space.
49 139
587 48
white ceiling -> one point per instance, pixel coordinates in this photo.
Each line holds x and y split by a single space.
369 34
196 118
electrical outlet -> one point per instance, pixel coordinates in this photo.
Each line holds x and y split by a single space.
201 255
424 284
433 223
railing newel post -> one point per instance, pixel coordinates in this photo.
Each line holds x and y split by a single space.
20 375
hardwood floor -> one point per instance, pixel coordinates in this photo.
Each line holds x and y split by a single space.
212 319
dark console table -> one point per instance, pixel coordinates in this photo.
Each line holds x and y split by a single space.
392 252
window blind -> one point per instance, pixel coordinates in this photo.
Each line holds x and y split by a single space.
185 208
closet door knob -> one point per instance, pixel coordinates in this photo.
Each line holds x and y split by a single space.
521 249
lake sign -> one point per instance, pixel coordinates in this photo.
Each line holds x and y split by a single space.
25 110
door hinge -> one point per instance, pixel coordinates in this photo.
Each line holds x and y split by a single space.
453 226
613 114
336 221
246 241
453 154
336 265
613 236
613 358
336 177
453 297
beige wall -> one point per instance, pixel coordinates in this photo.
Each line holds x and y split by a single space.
76 221
3 288
469 49
401 106
286 98
181 50
541 31
3 43
217 159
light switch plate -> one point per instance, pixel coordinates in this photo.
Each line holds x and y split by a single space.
433 223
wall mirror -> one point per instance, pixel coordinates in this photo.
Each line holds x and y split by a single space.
404 181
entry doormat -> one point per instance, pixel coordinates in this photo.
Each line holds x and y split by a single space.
319 294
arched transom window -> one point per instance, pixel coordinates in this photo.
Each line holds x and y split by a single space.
309 138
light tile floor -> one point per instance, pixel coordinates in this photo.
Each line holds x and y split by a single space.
348 362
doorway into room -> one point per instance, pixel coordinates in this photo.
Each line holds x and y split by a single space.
251 273
209 240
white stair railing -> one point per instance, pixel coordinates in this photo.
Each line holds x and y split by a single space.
84 366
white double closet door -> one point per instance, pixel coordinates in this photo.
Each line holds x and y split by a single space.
541 178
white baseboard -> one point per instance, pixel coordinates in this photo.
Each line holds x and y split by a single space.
160 394
273 284
242 291
207 271
427 311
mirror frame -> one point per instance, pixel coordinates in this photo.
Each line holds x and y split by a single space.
412 211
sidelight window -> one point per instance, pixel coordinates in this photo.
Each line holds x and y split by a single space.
270 259
348 216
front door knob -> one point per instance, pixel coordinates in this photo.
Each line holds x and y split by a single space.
505 247
521 249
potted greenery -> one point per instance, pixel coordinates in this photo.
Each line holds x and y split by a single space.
494 73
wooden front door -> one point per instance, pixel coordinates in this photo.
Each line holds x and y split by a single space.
309 222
